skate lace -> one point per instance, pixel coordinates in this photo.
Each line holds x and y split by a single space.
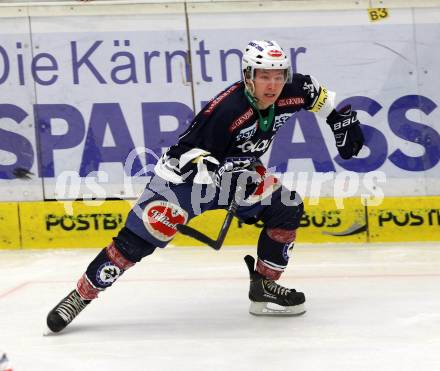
275 288
71 307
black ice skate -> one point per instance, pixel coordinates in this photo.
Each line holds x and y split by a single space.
65 311
270 299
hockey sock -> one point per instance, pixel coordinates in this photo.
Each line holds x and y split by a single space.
125 250
102 272
274 248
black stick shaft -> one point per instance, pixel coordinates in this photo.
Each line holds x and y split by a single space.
194 233
224 230
215 244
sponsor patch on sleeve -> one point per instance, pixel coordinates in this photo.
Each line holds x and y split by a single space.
220 98
240 121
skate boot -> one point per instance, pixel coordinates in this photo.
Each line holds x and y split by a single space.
270 299
65 311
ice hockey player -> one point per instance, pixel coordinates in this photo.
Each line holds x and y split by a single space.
215 154
4 362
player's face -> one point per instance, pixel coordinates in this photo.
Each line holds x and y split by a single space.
268 86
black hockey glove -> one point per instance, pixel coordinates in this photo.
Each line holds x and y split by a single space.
347 132
235 171
233 165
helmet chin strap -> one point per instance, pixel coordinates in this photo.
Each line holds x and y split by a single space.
264 122
250 90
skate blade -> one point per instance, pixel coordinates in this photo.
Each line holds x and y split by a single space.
48 332
272 309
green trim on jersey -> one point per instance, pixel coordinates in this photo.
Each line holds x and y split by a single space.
265 123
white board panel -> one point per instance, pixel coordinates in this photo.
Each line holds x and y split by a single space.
19 172
372 66
108 92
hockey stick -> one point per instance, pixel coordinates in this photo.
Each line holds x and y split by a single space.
215 244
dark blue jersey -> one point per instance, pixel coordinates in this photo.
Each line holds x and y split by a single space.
229 125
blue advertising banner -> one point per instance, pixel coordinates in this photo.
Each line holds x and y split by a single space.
88 104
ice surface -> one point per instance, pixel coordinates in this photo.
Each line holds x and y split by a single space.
374 307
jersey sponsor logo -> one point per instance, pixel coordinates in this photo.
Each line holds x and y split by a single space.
247 133
290 101
220 98
107 274
241 120
275 53
260 146
280 120
310 89
161 219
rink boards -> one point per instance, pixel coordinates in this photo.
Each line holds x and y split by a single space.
85 115
78 224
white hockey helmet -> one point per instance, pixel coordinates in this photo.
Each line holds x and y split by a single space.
267 55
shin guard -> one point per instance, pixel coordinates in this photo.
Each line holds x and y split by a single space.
274 249
102 272
124 251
